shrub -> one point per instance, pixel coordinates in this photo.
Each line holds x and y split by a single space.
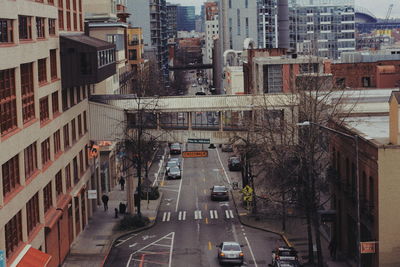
130 222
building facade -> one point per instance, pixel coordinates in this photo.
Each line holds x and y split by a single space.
172 20
186 19
325 28
46 169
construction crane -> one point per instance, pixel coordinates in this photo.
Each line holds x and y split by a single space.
389 12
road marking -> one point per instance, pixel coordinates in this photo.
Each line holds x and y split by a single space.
197 214
213 214
209 245
205 206
204 191
206 220
180 186
180 216
227 214
166 216
204 179
134 244
161 163
172 248
251 251
220 161
123 241
231 213
184 216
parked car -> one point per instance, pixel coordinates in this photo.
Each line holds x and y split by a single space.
175 148
200 93
234 163
174 173
285 256
170 164
227 148
230 252
177 160
219 192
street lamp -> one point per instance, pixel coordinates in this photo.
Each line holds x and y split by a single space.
355 140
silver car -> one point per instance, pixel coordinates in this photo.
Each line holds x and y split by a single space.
230 252
174 173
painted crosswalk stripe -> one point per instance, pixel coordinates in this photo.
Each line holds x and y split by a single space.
231 213
166 216
227 214
197 214
184 216
213 214
180 216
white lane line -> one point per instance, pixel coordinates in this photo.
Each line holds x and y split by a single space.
164 216
223 168
180 186
161 164
123 241
180 216
251 251
227 214
134 244
212 214
231 213
171 249
184 216
168 216
215 214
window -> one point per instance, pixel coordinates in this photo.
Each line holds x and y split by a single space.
40 29
75 170
230 3
64 96
45 151
75 16
25 27
81 166
54 102
58 179
28 100
52 27
66 136
42 71
8 103
51 2
10 171
73 128
30 157
238 21
13 233
86 152
68 176
32 212
80 125
47 197
371 193
246 3
68 14
60 15
44 109
132 54
6 31
366 81
57 142
247 27
85 129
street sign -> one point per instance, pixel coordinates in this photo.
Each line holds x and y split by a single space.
198 141
92 194
367 247
195 154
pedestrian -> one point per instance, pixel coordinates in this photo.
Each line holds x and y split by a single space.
122 182
104 198
332 248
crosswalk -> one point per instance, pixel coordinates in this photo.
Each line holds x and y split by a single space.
197 215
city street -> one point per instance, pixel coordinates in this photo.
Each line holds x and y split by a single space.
190 225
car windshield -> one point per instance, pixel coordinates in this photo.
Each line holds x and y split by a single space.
219 189
287 264
175 146
174 170
235 160
231 247
171 164
287 253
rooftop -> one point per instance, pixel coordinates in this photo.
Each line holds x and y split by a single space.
375 128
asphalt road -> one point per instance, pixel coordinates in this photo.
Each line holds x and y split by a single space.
189 225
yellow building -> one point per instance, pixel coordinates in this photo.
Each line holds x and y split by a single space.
135 47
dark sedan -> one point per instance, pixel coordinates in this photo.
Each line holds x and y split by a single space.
219 192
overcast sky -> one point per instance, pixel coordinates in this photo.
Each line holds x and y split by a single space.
377 7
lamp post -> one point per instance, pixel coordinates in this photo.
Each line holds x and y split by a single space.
355 140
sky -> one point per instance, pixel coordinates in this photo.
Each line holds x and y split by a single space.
377 7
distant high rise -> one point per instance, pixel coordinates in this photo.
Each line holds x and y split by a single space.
320 27
186 19
172 16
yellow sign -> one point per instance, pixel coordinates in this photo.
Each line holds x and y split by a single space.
195 154
367 247
93 151
247 190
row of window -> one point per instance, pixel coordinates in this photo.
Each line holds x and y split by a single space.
25 31
75 12
13 229
10 169
8 93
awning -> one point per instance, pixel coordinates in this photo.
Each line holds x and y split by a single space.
32 257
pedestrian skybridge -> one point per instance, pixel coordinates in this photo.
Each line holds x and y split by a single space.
176 119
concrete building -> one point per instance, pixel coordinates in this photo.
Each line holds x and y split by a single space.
46 169
172 20
135 48
151 17
379 154
237 21
325 28
186 19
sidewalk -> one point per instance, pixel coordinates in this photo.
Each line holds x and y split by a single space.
295 234
92 246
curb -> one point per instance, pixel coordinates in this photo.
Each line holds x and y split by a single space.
118 236
282 235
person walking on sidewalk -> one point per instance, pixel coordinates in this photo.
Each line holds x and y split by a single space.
104 198
332 248
122 182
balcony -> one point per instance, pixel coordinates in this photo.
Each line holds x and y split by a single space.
85 60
